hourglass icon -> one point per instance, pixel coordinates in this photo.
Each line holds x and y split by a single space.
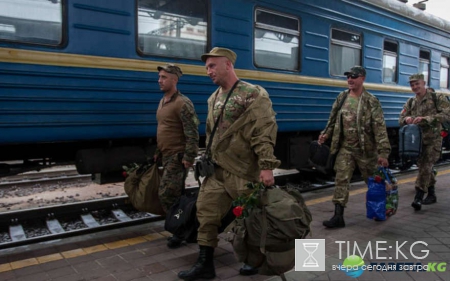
310 260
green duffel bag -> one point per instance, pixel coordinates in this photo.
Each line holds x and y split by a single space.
141 186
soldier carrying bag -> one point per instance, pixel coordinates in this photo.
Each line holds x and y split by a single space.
265 239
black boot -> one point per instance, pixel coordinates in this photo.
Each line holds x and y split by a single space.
338 219
417 203
203 268
431 197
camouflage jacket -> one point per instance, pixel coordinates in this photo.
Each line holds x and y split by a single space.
372 131
246 146
433 115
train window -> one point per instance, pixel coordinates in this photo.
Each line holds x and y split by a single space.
276 40
173 29
444 72
390 54
424 64
31 21
345 51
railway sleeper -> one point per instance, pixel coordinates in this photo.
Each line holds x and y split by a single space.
16 233
120 215
89 220
54 226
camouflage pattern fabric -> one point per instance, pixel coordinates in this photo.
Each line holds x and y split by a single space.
240 99
190 124
431 126
349 122
346 161
371 128
426 176
172 180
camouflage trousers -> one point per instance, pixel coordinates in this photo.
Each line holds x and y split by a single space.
430 154
214 201
346 161
172 181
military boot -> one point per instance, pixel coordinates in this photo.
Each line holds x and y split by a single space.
203 268
338 219
417 203
431 196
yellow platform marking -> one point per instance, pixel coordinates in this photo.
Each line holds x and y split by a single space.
149 237
95 249
49 258
5 267
24 263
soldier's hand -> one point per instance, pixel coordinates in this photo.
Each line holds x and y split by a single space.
322 138
266 177
409 120
417 120
187 164
383 162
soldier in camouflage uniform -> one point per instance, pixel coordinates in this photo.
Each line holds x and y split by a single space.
177 137
358 136
428 113
242 149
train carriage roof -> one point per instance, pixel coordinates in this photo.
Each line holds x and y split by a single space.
412 13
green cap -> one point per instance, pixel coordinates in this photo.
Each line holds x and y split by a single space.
220 52
415 77
171 68
356 70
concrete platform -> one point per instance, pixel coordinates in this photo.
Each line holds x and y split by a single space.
140 252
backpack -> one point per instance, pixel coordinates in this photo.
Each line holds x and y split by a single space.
410 143
266 238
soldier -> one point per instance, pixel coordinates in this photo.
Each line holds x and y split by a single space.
177 137
242 149
428 113
358 136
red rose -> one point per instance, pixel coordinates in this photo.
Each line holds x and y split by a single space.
444 134
237 211
124 174
378 179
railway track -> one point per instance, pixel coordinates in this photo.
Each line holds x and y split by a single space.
47 223
61 176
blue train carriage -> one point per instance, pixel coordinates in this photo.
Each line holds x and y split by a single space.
79 82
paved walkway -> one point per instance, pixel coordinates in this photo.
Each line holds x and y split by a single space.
140 253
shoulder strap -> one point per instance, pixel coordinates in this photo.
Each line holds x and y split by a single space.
410 102
434 96
343 100
218 118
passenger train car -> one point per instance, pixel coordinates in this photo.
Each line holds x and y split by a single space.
78 78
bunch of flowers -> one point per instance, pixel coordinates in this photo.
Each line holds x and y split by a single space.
245 203
379 177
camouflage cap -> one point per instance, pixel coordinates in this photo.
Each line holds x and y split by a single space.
415 77
220 52
171 68
356 70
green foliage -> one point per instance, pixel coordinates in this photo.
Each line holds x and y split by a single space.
248 202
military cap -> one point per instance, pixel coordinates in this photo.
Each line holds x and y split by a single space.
415 77
171 68
356 70
220 52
